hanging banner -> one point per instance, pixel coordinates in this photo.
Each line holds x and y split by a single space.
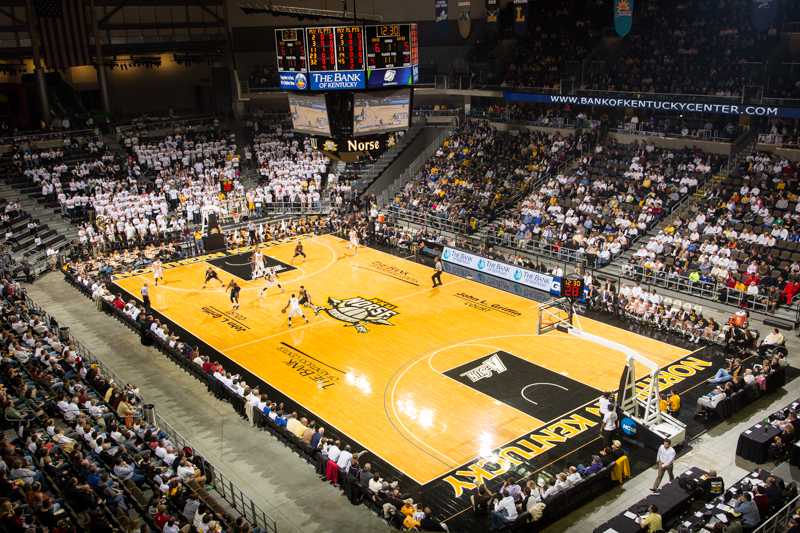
464 20
492 10
520 17
623 16
763 14
440 9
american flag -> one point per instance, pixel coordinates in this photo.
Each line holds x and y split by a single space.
64 32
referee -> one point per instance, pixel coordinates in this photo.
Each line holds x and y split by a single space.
146 297
437 275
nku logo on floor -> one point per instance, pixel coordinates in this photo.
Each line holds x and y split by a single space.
357 311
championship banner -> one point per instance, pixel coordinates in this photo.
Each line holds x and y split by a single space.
440 9
763 14
520 17
464 18
675 106
623 16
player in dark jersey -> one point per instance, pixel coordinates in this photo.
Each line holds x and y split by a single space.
298 251
234 289
305 300
212 274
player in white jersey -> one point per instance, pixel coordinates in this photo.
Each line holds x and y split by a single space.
158 271
271 280
258 264
293 305
353 244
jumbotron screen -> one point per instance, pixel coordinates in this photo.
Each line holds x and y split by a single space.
309 114
377 112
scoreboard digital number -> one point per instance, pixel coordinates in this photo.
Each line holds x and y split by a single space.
321 49
572 287
290 47
391 54
349 48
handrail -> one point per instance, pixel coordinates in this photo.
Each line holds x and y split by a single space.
44 136
778 521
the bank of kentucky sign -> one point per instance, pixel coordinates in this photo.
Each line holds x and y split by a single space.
536 280
673 106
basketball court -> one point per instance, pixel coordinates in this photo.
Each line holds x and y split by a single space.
426 379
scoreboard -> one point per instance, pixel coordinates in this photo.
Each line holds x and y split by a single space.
392 53
291 50
328 58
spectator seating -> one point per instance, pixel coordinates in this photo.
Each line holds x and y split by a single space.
81 456
478 171
741 234
606 201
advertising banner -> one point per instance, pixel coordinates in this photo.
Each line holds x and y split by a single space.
536 280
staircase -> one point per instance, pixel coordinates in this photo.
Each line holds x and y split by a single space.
53 230
362 174
406 165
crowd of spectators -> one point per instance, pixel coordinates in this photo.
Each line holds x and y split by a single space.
533 501
478 171
689 48
613 195
80 455
743 235
559 36
173 179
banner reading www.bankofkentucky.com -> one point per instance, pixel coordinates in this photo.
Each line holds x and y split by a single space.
676 106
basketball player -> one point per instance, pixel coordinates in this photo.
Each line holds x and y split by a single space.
234 289
258 264
305 300
158 271
293 305
271 280
298 251
212 274
437 274
353 244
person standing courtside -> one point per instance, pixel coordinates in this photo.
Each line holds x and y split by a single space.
666 456
146 297
437 275
609 427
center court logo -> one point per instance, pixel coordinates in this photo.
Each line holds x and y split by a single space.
486 369
358 311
